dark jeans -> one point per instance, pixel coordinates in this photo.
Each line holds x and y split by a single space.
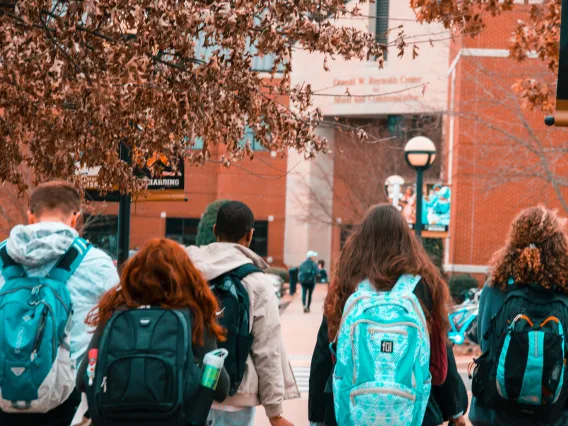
307 291
60 416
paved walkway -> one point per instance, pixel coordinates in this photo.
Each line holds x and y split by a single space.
299 331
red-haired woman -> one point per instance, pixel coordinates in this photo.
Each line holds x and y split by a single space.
162 275
381 250
523 313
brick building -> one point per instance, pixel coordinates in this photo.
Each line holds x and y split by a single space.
405 98
499 157
260 183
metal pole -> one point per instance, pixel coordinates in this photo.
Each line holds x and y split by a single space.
418 222
124 214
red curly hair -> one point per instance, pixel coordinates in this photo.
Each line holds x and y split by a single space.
161 274
535 253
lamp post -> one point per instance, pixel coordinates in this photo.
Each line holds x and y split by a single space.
420 153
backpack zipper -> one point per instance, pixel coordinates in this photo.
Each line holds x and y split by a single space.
104 384
382 391
39 335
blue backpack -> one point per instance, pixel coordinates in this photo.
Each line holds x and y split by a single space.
35 319
382 374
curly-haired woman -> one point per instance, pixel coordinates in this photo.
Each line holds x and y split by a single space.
524 295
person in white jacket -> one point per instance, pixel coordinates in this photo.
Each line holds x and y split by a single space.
54 210
268 378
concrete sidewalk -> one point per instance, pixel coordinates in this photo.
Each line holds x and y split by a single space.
299 331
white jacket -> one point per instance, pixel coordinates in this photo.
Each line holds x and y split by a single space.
268 378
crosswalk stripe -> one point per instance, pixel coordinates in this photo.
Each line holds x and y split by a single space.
302 374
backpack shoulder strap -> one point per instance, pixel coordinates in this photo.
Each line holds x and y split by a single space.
9 268
243 271
406 284
70 261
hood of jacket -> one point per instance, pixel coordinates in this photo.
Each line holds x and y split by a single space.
35 245
218 258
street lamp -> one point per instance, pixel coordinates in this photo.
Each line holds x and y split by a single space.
420 153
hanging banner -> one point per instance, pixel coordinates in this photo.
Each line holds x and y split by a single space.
164 182
435 208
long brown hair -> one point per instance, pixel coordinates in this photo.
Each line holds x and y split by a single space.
382 248
536 252
161 274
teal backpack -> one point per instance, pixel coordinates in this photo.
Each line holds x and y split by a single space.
35 319
382 374
307 273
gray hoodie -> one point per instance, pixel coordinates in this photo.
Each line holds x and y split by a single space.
268 378
37 248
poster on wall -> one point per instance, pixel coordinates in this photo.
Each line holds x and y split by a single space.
436 205
164 181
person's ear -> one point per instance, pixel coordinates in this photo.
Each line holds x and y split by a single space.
215 231
74 219
31 217
249 237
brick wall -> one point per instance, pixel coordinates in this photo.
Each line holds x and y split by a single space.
496 172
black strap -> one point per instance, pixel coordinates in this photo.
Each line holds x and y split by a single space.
243 271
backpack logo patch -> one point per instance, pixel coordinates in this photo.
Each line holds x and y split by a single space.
18 371
387 346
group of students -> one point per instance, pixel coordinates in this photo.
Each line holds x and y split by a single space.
386 322
81 345
191 335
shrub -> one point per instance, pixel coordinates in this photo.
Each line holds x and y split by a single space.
460 285
435 249
281 272
205 233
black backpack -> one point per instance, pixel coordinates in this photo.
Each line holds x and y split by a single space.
235 318
146 373
523 374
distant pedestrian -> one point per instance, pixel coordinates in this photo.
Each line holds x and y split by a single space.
50 278
134 372
307 277
261 372
387 311
521 379
322 273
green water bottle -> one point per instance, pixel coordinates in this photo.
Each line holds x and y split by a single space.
212 365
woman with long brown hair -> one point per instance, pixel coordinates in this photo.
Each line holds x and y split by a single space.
524 302
161 276
381 250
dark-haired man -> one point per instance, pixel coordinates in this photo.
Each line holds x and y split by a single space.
36 248
268 379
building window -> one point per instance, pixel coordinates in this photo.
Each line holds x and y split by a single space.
260 238
184 231
102 232
382 21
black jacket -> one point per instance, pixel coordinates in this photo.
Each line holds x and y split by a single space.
446 400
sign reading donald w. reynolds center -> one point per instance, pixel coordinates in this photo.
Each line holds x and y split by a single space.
406 84
390 89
